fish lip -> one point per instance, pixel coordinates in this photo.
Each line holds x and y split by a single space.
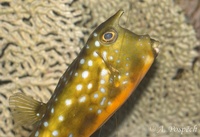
155 46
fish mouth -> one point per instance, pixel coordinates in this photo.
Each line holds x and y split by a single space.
155 46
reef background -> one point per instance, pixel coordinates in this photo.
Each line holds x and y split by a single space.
39 39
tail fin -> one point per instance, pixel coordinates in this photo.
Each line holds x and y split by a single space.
25 109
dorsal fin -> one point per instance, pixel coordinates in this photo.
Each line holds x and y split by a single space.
25 109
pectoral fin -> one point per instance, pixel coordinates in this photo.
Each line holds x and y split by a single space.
25 109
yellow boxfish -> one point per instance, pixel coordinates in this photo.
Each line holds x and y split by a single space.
108 69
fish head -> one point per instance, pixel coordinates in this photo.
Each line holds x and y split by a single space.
122 49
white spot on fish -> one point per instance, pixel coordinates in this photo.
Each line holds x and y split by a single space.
116 51
87 46
52 110
76 74
38 114
104 72
79 87
70 135
68 102
95 54
95 34
90 109
97 44
118 61
85 74
109 103
82 99
127 73
127 64
102 90
111 57
89 86
36 133
124 82
55 133
90 63
71 72
103 101
119 77
102 81
99 111
104 53
96 95
60 118
127 58
82 61
46 124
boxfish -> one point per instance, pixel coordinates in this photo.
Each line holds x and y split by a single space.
100 79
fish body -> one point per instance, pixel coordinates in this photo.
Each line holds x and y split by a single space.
101 78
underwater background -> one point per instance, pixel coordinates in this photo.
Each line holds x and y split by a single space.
39 39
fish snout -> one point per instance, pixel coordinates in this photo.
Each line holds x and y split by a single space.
155 45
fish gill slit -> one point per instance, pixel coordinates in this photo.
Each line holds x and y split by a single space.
112 70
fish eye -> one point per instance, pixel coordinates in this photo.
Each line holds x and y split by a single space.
109 36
